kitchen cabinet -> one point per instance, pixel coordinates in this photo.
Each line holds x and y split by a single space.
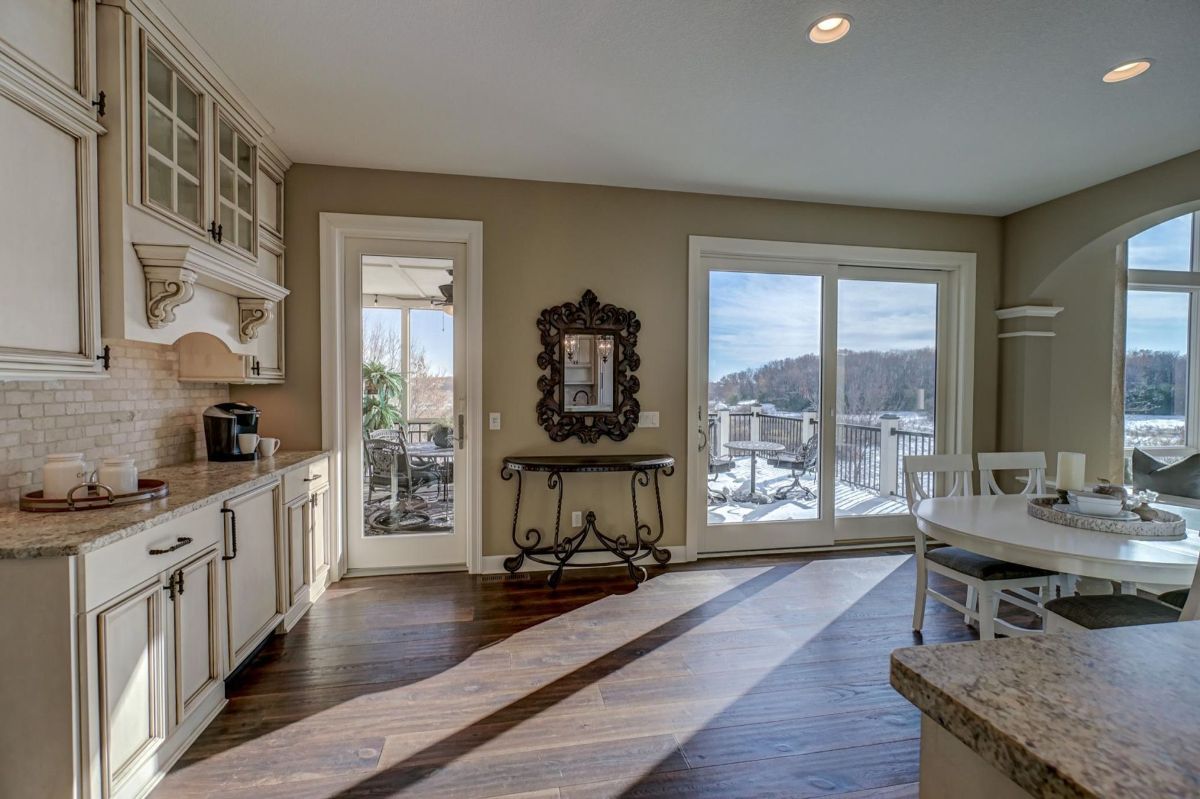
131 659
298 551
253 558
195 633
180 170
48 210
321 526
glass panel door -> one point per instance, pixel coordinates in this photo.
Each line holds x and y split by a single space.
236 170
171 144
887 391
765 373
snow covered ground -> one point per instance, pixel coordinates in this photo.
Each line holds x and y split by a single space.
1154 431
848 499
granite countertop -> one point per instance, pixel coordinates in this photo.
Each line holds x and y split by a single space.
191 485
1110 713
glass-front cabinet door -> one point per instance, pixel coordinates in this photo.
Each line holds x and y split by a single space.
172 153
236 169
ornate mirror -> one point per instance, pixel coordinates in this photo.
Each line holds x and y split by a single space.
588 356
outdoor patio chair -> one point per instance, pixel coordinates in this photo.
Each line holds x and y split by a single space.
802 461
717 463
384 456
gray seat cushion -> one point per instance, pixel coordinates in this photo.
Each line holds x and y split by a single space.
1181 479
1115 610
1176 598
981 567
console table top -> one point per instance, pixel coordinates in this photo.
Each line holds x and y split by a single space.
587 463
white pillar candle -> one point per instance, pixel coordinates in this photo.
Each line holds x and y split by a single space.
1070 471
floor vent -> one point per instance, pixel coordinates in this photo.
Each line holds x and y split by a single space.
519 577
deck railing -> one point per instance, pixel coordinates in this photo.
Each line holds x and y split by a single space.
866 456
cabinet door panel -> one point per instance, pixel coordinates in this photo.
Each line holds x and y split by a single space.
43 30
132 691
321 545
197 665
269 345
252 570
40 259
297 552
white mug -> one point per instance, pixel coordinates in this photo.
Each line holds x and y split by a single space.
247 442
268 446
120 474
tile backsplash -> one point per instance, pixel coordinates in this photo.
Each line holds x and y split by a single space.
141 409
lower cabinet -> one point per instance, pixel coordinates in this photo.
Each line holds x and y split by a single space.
320 530
254 552
298 535
195 633
131 672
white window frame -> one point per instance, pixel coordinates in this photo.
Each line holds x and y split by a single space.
1169 280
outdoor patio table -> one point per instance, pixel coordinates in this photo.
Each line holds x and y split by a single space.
754 447
443 455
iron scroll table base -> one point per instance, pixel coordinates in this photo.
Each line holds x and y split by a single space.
626 548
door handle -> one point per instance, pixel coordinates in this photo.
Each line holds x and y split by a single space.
703 439
459 435
232 532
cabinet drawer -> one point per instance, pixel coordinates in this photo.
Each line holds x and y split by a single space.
305 480
113 569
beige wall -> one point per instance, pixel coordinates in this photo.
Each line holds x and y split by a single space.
1065 393
544 243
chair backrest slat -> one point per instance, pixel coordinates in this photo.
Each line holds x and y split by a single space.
957 469
1034 464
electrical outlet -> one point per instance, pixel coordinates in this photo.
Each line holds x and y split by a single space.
577 518
648 419
493 421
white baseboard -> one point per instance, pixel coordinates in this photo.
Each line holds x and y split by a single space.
494 564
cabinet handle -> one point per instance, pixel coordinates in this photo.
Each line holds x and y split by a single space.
174 586
256 369
180 542
232 532
312 477
220 230
212 230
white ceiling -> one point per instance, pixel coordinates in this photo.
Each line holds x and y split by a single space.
965 105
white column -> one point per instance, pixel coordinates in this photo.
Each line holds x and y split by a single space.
888 451
807 425
755 422
722 431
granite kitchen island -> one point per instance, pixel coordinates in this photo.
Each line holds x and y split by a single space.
1110 713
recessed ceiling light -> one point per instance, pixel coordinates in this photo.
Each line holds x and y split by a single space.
1127 70
829 29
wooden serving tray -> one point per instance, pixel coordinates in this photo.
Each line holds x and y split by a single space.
93 496
1171 528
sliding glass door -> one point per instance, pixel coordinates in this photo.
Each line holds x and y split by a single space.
813 382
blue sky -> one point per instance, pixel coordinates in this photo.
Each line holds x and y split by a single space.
755 318
1158 320
432 330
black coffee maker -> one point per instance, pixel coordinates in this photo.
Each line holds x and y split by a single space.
223 423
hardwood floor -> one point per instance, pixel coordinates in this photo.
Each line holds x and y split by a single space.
763 677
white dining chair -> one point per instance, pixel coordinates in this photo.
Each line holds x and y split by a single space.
1102 611
988 580
1032 463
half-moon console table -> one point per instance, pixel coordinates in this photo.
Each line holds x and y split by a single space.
627 548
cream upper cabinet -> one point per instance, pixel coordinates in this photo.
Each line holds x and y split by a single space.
172 162
237 172
179 180
49 261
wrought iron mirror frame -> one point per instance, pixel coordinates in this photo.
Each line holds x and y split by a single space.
589 317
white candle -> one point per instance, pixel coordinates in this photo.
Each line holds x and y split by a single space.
1070 471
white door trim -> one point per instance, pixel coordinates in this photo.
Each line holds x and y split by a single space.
960 266
335 228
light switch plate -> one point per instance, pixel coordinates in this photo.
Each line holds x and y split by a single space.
648 419
577 518
493 421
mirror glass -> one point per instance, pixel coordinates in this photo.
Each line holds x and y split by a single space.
587 361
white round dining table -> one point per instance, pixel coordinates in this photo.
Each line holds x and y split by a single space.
1000 527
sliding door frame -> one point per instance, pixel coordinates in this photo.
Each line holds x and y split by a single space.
960 359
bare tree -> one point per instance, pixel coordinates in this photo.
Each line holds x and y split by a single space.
430 391
383 343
